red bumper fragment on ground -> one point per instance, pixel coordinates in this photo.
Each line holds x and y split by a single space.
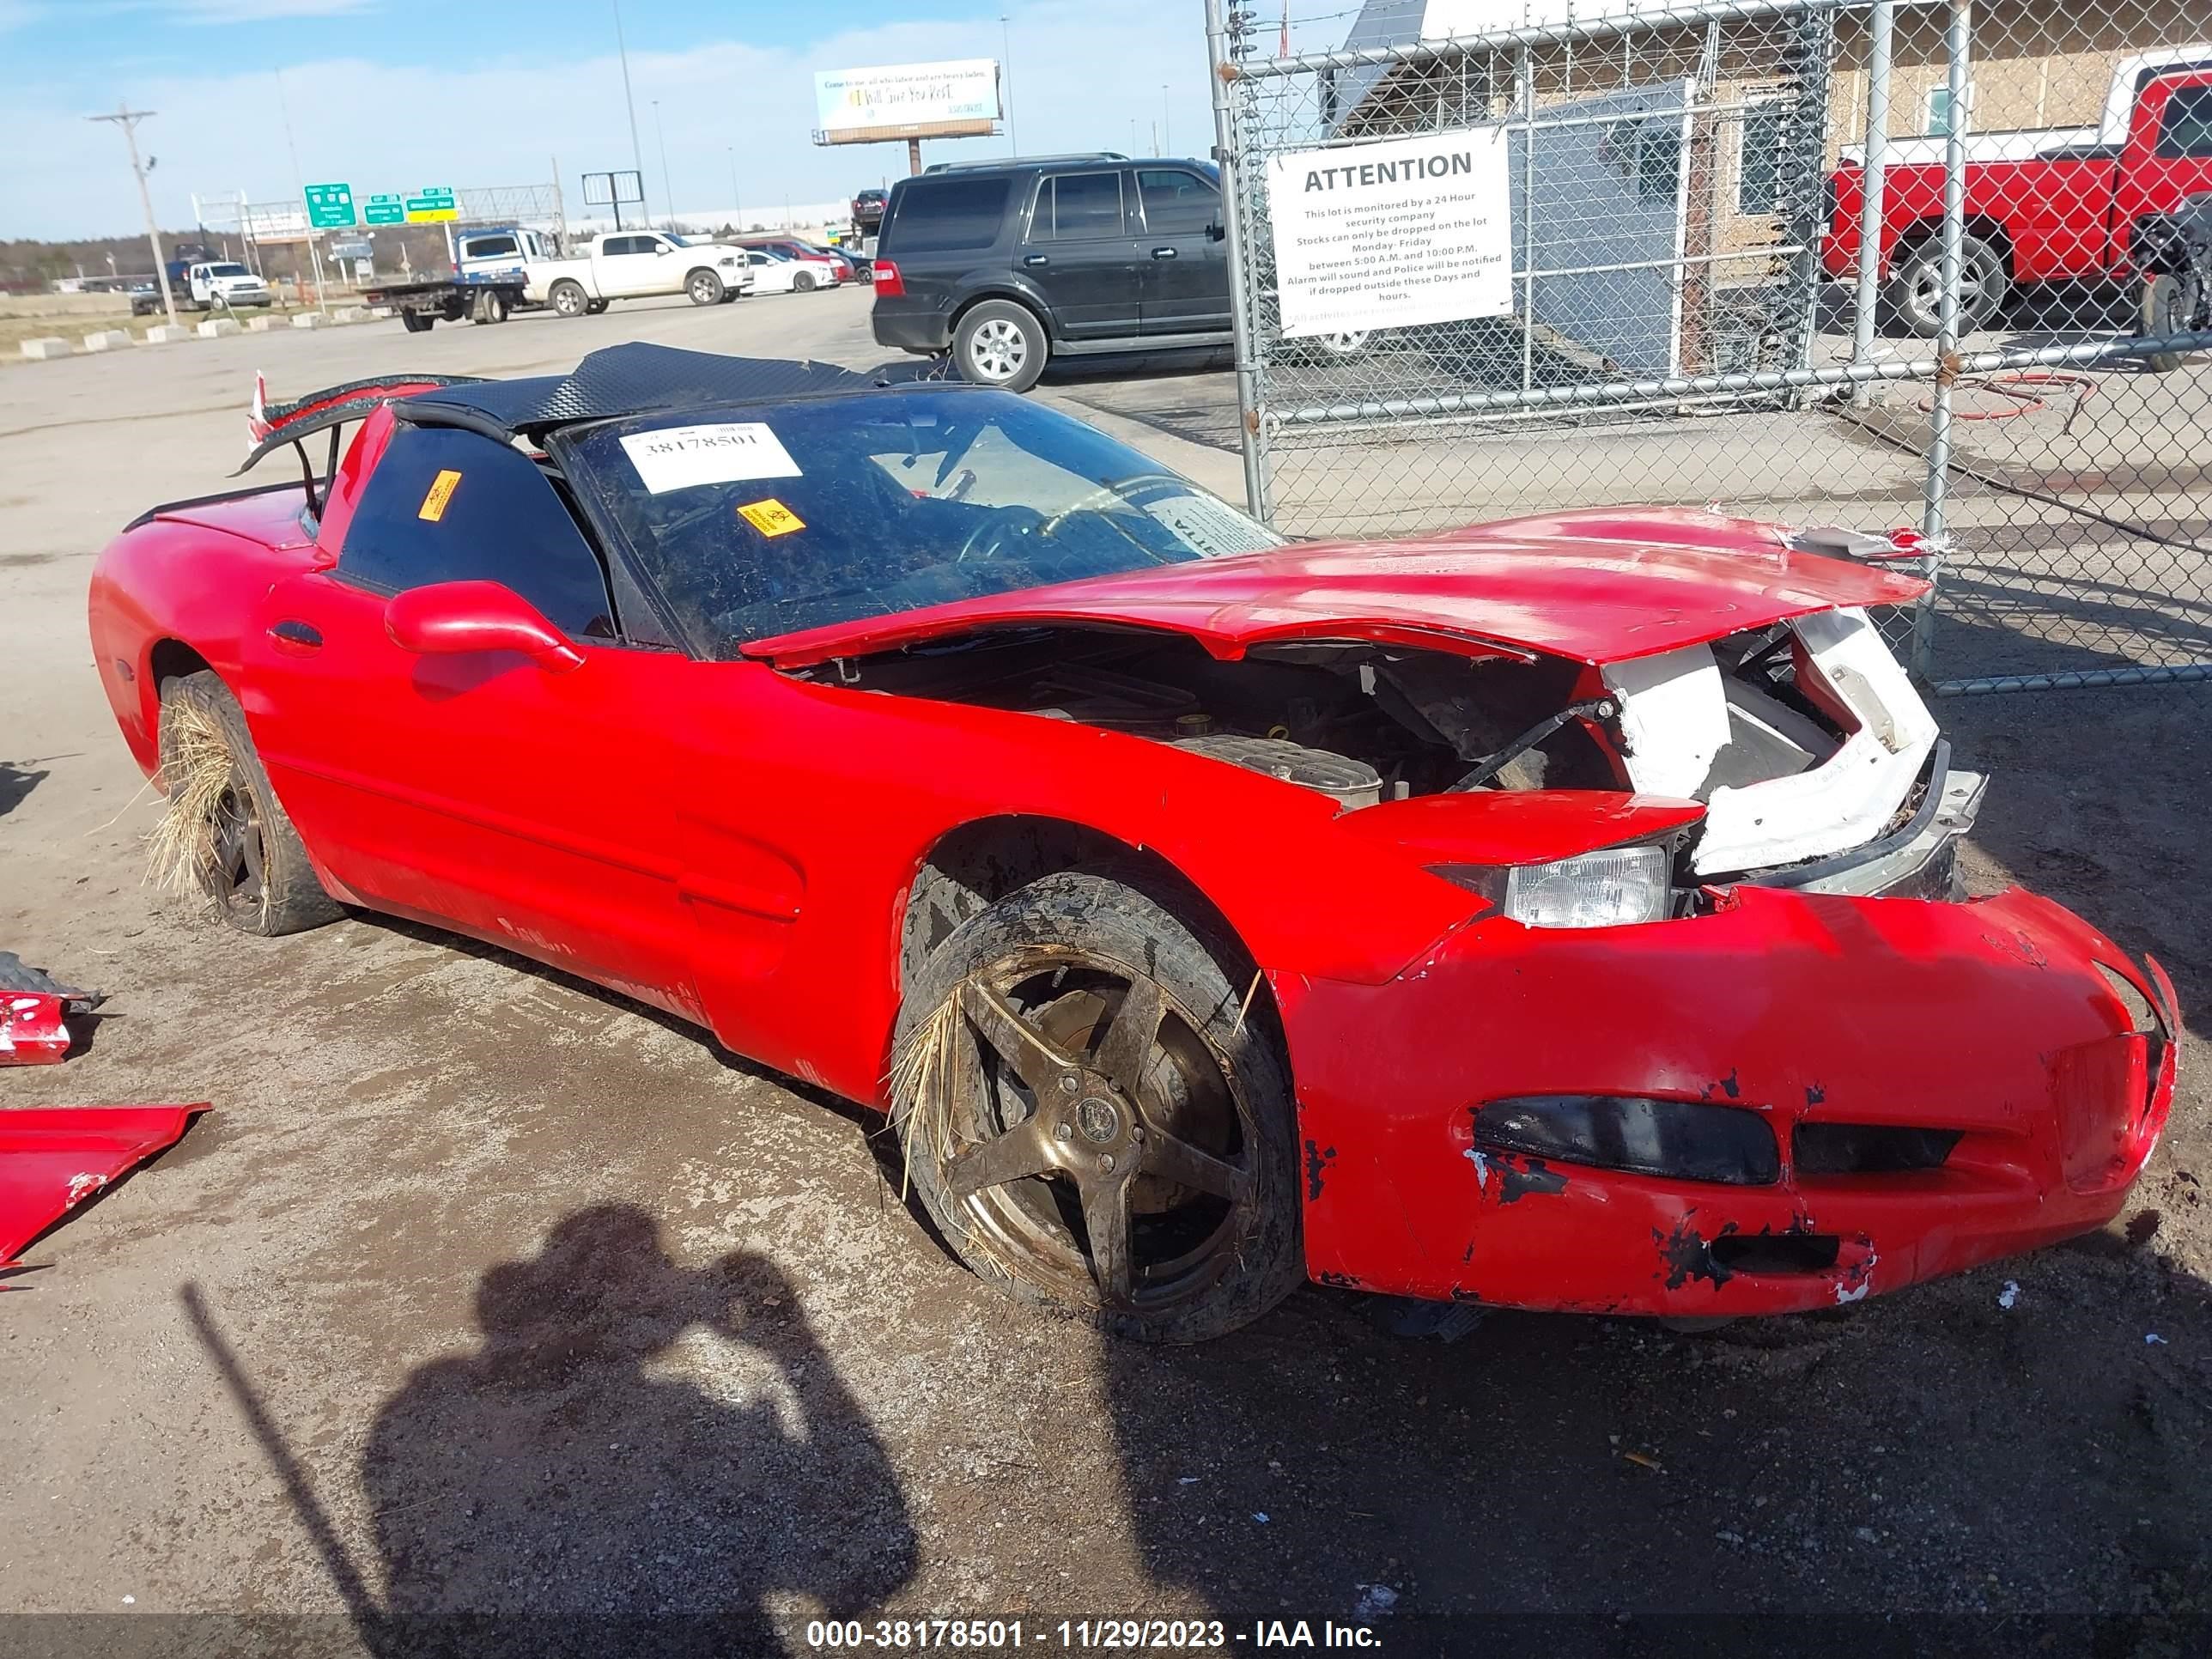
53 1158
35 1009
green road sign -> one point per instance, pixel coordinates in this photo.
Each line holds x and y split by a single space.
330 207
425 206
386 210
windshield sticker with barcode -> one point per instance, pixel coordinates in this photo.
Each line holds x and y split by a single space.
727 452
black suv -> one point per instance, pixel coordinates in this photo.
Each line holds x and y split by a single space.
1008 265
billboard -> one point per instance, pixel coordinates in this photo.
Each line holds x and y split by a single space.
907 100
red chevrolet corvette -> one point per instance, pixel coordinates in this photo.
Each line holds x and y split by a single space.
1559 913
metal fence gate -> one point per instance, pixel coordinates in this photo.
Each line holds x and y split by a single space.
1704 307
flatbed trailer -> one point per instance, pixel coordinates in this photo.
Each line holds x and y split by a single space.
423 303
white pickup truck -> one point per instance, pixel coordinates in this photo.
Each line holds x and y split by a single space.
635 264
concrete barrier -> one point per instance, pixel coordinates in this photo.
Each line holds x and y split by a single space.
311 319
163 333
107 339
261 325
351 314
383 311
217 328
48 345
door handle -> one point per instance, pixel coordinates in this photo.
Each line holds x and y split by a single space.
1035 259
1163 253
294 638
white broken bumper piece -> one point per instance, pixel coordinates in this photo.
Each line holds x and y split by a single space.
1676 719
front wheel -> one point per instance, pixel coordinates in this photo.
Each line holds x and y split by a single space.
1916 292
802 282
224 832
1093 1115
1002 344
2172 303
704 287
569 299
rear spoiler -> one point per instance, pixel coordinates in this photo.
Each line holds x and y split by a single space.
271 426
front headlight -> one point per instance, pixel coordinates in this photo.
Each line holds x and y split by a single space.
1606 888
1611 888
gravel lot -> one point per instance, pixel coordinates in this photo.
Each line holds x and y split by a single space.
436 1175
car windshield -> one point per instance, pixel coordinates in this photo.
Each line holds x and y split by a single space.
767 520
680 241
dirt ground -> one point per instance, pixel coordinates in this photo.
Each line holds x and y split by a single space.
297 1376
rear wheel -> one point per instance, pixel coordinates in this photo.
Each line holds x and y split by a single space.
490 307
802 282
416 322
569 299
1002 344
704 287
2172 303
234 842
1093 1116
1916 292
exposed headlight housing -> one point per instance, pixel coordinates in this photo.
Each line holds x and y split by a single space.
1609 888
1612 887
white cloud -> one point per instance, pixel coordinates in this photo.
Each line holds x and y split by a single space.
1083 72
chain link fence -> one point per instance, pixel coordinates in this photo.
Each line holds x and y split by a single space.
1693 303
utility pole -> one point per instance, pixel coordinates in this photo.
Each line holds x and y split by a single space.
637 149
737 196
128 119
300 185
1007 43
667 190
1166 143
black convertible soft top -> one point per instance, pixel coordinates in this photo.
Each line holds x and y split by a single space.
632 378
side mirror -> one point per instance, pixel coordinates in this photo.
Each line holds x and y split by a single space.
665 247
449 618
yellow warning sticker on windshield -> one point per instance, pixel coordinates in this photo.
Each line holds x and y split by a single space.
771 517
440 492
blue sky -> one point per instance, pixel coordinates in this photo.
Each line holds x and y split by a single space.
395 95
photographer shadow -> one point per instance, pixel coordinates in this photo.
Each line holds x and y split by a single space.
588 1480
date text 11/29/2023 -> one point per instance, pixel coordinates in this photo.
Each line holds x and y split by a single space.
1083 1635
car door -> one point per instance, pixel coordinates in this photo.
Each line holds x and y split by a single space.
1184 268
632 266
2169 157
1081 253
476 789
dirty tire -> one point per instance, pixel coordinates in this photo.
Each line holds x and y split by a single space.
1002 344
416 322
704 288
284 897
569 299
1916 292
2171 302
1212 1079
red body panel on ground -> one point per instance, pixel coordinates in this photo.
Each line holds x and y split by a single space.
53 1158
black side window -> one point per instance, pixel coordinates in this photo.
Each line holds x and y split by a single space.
445 505
2185 130
489 247
615 244
1177 203
943 215
1077 206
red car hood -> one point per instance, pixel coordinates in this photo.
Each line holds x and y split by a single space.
1596 587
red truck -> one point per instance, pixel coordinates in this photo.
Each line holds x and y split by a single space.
2129 199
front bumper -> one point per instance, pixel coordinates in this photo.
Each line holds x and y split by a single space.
1995 1020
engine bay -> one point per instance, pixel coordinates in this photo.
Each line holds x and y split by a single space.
1367 723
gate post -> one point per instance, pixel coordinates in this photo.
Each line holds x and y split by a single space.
1958 45
1250 431
1874 179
